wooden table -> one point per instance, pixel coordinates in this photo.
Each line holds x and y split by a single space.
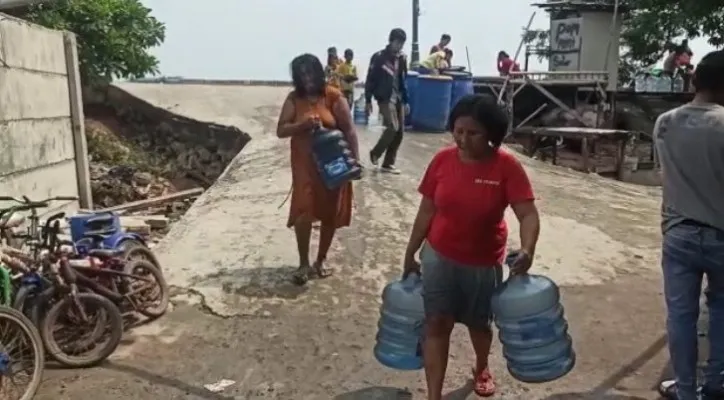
587 136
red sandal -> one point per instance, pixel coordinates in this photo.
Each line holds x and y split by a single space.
483 383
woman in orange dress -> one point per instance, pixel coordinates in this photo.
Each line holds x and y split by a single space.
314 103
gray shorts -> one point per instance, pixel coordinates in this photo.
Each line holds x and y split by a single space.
454 289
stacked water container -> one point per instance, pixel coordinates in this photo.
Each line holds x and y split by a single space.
400 328
462 85
533 329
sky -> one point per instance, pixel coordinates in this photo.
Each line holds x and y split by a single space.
257 39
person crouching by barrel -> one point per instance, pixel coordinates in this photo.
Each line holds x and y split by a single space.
314 103
465 192
436 62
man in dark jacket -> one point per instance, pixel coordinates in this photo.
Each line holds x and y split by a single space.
386 84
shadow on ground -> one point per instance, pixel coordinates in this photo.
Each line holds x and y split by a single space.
165 381
392 393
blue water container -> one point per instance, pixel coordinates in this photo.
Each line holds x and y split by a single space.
533 329
359 114
400 328
461 87
411 83
432 103
334 158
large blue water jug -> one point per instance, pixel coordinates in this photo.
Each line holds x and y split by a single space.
411 84
400 328
532 328
462 85
359 113
432 103
334 158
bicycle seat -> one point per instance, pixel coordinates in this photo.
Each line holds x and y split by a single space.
100 219
13 221
105 253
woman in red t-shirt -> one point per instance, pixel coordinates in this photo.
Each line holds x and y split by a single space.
465 192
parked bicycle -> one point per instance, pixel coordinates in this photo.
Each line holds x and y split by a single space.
77 300
22 359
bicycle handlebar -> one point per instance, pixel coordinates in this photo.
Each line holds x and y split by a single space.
26 200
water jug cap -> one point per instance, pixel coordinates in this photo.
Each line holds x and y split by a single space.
412 280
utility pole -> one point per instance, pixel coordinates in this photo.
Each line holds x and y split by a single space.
415 56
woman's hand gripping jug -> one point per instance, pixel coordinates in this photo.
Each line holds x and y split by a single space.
400 329
532 328
334 159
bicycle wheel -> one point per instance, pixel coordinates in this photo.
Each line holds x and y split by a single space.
151 294
75 341
134 250
22 358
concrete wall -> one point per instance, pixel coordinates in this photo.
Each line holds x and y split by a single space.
38 123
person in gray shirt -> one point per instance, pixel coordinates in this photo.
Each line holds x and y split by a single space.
689 143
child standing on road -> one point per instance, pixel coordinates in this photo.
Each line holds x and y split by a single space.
348 75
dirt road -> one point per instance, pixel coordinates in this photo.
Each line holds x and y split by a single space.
238 317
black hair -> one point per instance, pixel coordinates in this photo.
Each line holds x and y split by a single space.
397 34
484 109
446 37
332 50
448 53
709 73
349 52
501 53
307 64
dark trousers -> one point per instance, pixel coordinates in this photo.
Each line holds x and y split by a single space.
349 95
393 116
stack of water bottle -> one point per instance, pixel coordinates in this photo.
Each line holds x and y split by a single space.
656 81
528 314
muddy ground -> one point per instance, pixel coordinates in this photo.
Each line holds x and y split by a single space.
238 317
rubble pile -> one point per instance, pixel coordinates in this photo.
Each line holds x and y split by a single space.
112 186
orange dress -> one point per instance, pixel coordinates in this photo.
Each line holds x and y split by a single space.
310 198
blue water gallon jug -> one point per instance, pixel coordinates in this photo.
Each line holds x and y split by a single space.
432 103
400 328
359 114
533 329
411 84
462 85
334 158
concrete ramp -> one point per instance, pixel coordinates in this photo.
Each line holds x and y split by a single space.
233 249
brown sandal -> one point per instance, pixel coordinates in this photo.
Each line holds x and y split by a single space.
320 271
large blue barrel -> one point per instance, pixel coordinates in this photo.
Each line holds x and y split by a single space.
400 328
533 329
411 83
334 158
432 103
461 87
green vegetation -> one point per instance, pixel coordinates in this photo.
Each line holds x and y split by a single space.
114 36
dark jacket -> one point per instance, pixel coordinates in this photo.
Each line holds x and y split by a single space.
379 76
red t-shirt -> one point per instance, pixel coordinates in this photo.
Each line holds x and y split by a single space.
470 200
507 65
